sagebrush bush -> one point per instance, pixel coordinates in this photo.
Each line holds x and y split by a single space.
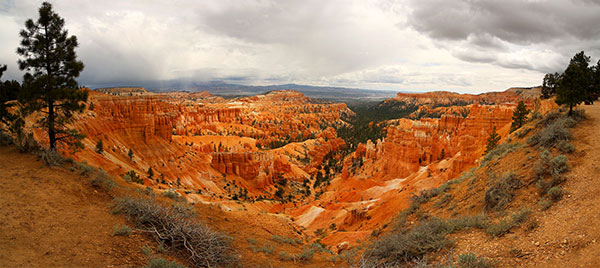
123 230
565 147
162 263
555 193
470 260
101 180
500 151
51 157
501 192
284 256
176 230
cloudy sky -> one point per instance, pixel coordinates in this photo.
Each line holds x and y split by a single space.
411 45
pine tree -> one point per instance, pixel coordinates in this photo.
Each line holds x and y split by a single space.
150 173
519 116
574 85
492 141
549 85
442 154
130 154
8 91
51 66
99 147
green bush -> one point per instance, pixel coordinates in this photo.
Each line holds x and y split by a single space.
51 157
307 254
470 260
162 263
555 193
499 195
284 256
565 147
123 230
500 152
504 226
101 180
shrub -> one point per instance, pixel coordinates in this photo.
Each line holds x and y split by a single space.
502 227
131 176
267 249
470 260
555 193
162 263
25 143
102 181
284 256
171 194
202 245
545 204
565 147
559 165
499 195
84 169
307 254
123 230
500 152
51 157
286 240
405 246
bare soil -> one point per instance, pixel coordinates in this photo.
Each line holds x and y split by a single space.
50 217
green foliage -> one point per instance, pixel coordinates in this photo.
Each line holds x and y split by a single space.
574 83
284 256
470 260
9 91
49 85
555 193
122 230
131 176
101 180
286 240
99 147
501 192
150 173
556 130
162 263
503 227
519 116
51 157
130 154
492 141
499 152
549 85
171 194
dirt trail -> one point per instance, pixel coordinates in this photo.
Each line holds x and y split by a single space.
50 217
569 233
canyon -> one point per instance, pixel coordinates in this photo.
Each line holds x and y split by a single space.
280 153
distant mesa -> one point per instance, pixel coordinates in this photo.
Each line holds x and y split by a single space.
123 91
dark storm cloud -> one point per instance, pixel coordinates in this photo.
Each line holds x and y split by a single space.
514 21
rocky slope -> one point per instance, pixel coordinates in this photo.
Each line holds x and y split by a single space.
279 152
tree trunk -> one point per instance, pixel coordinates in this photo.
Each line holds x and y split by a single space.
570 109
51 131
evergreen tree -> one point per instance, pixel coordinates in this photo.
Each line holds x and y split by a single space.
574 85
442 154
8 92
99 147
150 172
519 116
492 141
51 66
549 85
130 154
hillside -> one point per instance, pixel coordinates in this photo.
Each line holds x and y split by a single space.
52 217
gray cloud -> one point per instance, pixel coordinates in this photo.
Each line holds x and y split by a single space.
465 45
